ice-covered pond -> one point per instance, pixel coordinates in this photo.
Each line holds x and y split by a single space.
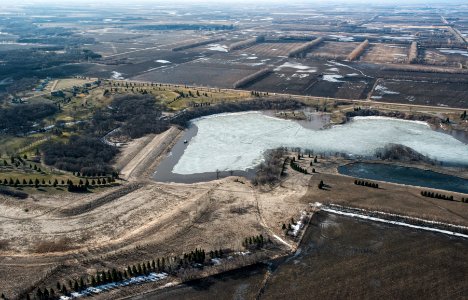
237 141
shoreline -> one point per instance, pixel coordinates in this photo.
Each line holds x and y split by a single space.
164 170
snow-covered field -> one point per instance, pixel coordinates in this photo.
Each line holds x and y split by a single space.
237 141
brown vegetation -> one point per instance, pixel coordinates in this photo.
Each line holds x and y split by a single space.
252 78
358 50
246 43
304 48
413 53
197 43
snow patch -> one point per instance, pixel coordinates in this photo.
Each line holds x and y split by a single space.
354 215
332 78
217 47
453 51
117 75
384 90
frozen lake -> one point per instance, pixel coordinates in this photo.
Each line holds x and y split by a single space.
237 141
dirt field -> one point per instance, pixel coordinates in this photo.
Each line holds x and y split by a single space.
271 49
422 92
69 236
138 221
436 57
333 50
386 53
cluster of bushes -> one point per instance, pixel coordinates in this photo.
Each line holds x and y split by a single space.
20 119
296 167
366 183
135 115
436 195
257 241
271 170
80 153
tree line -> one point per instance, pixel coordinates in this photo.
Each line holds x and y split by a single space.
193 258
366 183
436 195
183 119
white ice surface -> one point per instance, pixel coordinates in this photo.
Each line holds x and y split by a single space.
238 141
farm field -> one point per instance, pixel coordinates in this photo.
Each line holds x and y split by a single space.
384 53
332 50
95 99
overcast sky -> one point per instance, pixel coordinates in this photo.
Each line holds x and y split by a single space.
74 2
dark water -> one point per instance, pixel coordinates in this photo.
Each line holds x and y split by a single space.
405 175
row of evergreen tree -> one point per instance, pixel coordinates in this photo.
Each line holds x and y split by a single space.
43 183
298 168
197 256
257 241
366 183
436 195
258 94
17 163
95 175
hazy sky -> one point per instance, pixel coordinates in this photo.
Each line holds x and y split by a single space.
74 2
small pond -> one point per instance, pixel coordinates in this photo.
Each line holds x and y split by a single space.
406 175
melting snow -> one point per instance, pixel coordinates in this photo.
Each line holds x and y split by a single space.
297 66
238 141
332 78
217 47
384 90
453 51
338 212
117 75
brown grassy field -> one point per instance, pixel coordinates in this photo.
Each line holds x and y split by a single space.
345 258
386 53
272 49
332 50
